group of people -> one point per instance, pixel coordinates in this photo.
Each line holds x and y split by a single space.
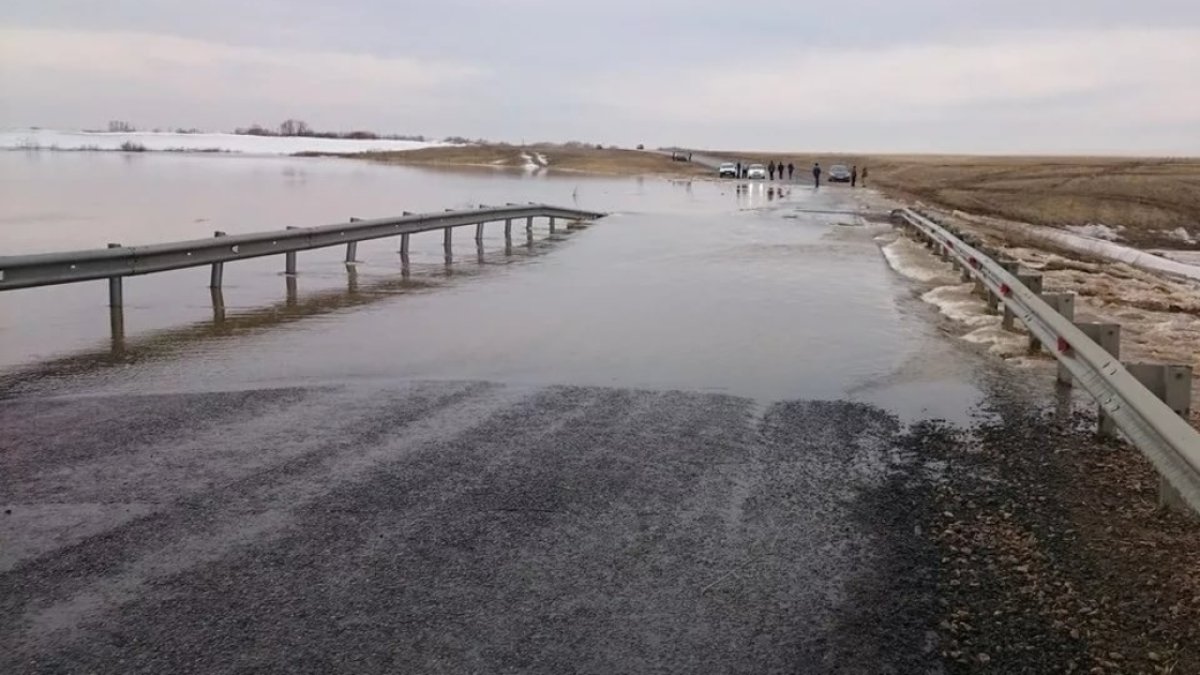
790 168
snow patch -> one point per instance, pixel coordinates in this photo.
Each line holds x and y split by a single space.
912 260
49 139
1001 342
1097 231
961 305
1095 247
1182 234
1187 257
954 300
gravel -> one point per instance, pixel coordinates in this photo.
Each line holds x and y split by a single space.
1051 553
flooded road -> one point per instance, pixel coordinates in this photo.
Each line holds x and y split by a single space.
693 285
633 446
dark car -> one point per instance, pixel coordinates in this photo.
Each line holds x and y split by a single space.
838 173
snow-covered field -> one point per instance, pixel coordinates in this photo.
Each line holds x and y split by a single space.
1097 231
50 139
1099 248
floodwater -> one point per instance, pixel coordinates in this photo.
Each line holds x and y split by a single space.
770 293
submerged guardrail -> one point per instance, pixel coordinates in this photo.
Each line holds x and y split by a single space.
1154 421
117 261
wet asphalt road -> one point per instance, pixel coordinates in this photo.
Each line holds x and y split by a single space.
435 527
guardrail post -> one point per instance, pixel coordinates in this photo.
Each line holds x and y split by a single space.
1064 304
551 224
289 258
218 305
1108 336
529 224
1032 281
1173 385
218 269
352 246
479 233
292 291
993 300
404 246
116 293
116 329
446 239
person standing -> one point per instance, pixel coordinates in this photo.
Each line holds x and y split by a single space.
864 176
854 176
816 174
739 171
791 170
771 169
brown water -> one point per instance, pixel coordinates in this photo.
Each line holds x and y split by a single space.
688 285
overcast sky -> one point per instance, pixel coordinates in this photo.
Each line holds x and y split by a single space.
1054 76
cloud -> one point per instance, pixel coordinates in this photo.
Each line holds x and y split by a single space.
1113 75
935 75
36 63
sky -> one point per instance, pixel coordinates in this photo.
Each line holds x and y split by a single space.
955 76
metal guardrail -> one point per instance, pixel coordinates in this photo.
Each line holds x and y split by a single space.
24 271
1171 445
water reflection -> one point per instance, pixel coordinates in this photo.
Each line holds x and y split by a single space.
218 306
756 195
116 328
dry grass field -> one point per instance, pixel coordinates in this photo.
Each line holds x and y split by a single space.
554 157
1150 198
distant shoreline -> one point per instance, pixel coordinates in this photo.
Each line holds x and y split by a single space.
34 140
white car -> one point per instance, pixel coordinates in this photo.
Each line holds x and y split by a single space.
728 170
756 171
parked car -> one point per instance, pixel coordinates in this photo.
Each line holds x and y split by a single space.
838 173
728 170
756 171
